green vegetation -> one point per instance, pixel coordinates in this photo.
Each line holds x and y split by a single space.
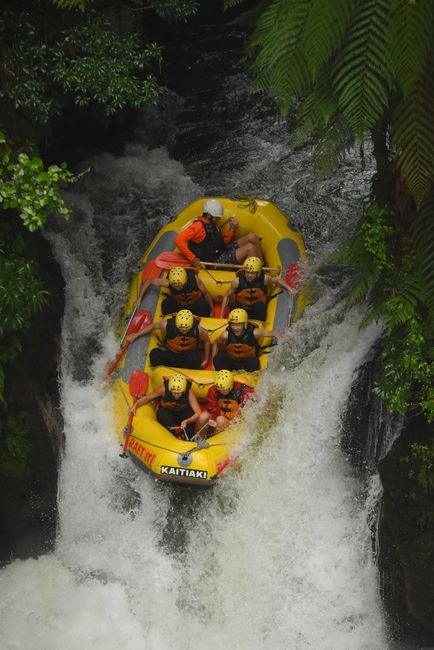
421 475
362 71
386 277
56 56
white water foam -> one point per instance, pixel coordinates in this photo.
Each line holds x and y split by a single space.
276 556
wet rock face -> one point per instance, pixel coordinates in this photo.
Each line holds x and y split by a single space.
375 441
368 429
28 504
406 538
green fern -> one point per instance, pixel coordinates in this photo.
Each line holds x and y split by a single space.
72 4
316 110
423 237
280 63
324 31
227 4
361 77
332 146
409 41
413 137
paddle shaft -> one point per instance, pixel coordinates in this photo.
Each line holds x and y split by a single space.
129 323
128 434
235 266
116 361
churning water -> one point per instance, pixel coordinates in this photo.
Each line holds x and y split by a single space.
279 554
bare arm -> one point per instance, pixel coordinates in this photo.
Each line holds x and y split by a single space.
155 282
269 279
228 294
206 294
206 346
149 328
218 344
257 333
144 400
192 400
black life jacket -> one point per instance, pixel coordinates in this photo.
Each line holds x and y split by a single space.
211 246
177 341
189 293
167 401
229 404
249 293
244 346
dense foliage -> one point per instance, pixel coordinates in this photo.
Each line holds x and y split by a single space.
56 55
387 278
353 71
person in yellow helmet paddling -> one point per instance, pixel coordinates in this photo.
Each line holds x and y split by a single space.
177 405
249 289
237 348
223 401
182 342
185 291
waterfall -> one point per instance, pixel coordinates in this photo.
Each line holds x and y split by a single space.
277 555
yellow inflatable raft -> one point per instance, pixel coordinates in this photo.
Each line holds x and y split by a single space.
149 443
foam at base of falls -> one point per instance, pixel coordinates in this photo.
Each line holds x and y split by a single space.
277 555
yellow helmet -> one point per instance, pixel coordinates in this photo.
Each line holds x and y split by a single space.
238 316
178 277
184 319
177 383
252 265
224 380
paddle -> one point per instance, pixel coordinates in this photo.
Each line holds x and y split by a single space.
128 325
171 259
135 324
138 386
294 276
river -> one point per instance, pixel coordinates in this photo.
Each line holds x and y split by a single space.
279 554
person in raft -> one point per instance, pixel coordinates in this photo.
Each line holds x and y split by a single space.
223 401
249 289
204 240
186 291
238 348
178 408
182 342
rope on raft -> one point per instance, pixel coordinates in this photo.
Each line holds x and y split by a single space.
175 451
246 201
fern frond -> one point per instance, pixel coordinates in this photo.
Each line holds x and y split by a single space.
353 253
413 137
280 63
289 81
324 30
316 110
361 73
72 4
409 40
399 310
423 238
332 146
373 315
361 286
227 4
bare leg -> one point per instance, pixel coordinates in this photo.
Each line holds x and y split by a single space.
202 420
222 422
249 246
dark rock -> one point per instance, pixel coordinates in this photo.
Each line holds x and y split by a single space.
375 440
406 538
28 509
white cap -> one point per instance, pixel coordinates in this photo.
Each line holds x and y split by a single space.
213 207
